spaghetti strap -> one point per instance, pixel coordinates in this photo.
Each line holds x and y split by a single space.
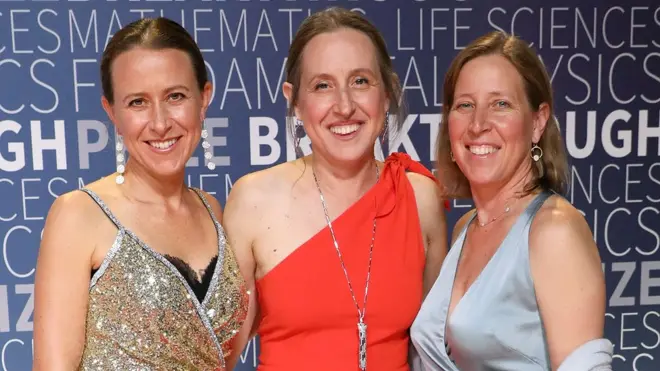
208 207
104 207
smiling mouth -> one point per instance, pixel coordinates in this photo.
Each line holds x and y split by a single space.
344 129
482 150
163 145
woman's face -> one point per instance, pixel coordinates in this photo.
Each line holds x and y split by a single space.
341 98
491 124
158 108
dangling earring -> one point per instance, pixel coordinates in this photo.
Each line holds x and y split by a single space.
386 128
208 156
121 167
299 133
537 152
451 156
300 129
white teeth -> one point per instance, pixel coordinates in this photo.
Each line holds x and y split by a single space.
344 129
482 150
163 145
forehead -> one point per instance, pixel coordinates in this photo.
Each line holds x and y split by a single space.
143 67
339 51
491 73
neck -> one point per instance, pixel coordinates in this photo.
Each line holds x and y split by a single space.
345 179
491 201
144 187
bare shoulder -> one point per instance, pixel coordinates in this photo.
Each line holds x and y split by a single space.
255 197
260 187
71 209
76 218
560 240
559 227
427 191
422 182
428 198
72 220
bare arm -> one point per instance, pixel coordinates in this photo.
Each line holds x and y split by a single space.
433 221
239 214
568 279
62 283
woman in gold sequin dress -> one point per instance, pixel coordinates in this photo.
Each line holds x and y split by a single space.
134 271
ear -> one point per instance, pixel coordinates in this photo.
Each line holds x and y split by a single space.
207 93
541 117
107 107
287 91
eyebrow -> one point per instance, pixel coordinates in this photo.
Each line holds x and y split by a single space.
355 71
168 90
490 94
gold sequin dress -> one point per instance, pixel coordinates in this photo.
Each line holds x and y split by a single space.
144 315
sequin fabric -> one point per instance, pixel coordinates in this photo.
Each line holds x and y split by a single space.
143 315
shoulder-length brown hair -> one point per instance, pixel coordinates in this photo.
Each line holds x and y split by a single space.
551 172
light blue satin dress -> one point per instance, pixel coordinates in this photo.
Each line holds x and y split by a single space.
496 325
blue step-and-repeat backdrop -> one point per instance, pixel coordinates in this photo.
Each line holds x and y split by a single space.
603 56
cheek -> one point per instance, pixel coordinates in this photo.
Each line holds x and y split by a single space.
188 116
130 123
457 125
373 102
514 128
313 108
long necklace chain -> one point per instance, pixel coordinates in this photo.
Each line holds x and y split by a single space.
362 327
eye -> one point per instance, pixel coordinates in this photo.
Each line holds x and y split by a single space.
136 102
502 104
464 105
321 86
362 81
176 96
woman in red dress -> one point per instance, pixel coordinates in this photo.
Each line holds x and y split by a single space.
342 246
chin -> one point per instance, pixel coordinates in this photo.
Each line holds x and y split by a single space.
167 169
350 155
483 180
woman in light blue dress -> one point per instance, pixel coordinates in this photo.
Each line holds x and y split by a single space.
522 286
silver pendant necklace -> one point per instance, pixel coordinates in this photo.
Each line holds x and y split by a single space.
361 325
507 208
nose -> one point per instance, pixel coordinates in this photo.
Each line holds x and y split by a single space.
160 119
479 122
344 106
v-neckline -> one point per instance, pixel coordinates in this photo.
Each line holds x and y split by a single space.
162 257
488 265
199 306
478 279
